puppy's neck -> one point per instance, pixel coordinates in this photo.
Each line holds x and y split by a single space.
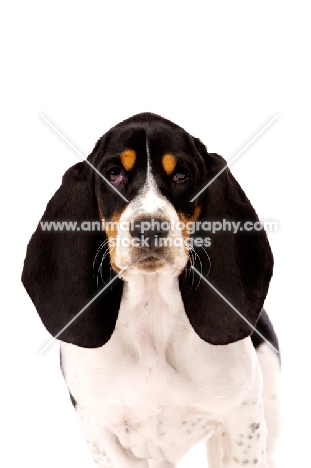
150 311
160 286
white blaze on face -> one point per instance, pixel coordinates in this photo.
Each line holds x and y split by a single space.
150 203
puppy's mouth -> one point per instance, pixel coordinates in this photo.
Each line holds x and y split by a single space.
151 261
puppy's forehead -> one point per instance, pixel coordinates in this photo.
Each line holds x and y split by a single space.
129 144
150 154
135 144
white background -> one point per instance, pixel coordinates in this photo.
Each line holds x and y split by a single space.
222 72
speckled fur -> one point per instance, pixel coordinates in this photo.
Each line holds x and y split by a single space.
139 402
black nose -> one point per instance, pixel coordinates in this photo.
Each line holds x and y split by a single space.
149 232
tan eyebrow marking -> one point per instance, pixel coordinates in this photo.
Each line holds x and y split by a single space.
169 163
128 158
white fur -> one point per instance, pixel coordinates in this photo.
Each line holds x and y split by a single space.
155 389
270 367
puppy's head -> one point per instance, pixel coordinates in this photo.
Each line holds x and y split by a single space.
134 215
152 165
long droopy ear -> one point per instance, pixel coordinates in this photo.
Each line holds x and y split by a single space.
58 270
238 265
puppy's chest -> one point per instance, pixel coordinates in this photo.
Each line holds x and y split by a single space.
155 385
149 401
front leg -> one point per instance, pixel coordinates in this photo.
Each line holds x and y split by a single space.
108 452
115 456
105 446
245 431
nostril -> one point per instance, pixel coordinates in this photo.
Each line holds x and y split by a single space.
149 228
135 229
155 226
160 227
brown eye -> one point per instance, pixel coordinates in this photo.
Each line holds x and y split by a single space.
115 176
180 176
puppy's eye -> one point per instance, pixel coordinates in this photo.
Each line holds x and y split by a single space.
180 176
115 176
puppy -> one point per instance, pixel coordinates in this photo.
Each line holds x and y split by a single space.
156 312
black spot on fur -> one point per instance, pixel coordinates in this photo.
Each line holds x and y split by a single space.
73 401
254 427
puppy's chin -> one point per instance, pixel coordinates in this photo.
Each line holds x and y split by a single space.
151 266
151 261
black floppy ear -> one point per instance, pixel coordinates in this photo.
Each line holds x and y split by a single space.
58 270
238 265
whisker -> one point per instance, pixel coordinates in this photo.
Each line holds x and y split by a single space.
209 259
100 268
193 253
191 262
191 259
198 256
102 245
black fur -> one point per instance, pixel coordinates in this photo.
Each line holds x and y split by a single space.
58 272
239 265
265 327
